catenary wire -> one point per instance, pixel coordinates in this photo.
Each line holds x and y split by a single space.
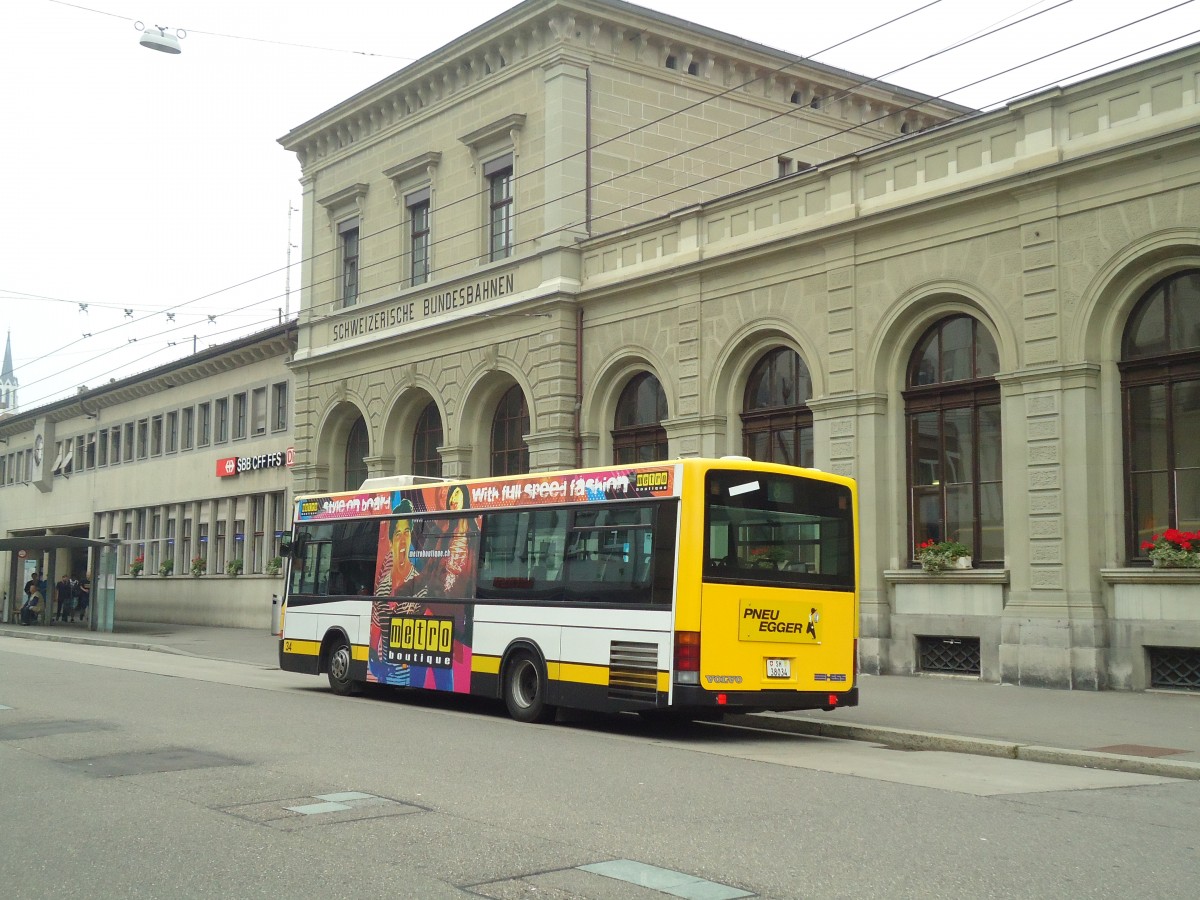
1101 65
948 93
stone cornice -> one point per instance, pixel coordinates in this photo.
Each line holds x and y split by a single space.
608 29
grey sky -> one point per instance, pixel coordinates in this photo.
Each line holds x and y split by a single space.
141 181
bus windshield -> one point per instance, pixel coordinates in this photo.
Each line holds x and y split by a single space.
778 529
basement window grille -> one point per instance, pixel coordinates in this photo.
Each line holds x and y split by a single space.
948 655
1175 667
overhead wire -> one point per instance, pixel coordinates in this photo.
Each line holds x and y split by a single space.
826 137
692 149
526 174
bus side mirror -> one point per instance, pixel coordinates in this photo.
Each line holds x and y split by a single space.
295 549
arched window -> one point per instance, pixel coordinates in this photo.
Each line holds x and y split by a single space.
358 445
776 421
427 437
510 453
638 435
952 408
1160 396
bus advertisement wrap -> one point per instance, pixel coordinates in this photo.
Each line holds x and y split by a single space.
531 490
698 586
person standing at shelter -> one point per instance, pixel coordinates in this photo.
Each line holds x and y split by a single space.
83 596
62 598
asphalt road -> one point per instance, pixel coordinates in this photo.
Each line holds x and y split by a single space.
133 774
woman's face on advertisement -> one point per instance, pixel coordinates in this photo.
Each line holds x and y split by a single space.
456 499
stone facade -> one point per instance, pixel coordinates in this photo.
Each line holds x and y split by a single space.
1045 222
133 463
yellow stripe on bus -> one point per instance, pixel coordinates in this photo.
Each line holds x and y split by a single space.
485 665
579 673
313 648
302 648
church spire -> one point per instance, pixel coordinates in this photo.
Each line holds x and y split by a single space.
8 380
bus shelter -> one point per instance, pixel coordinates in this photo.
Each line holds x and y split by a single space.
104 575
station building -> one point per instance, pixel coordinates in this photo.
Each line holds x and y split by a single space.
184 469
585 233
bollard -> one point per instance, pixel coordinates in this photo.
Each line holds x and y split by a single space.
275 609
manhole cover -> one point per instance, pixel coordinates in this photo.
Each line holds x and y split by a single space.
150 761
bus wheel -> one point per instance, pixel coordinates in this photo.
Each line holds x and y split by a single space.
339 669
525 690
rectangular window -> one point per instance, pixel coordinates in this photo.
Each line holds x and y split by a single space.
172 435
499 174
154 557
220 539
102 450
202 544
205 425
239 415
127 550
239 542
156 436
778 530
222 423
115 451
143 438
189 417
258 545
186 550
348 233
128 457
281 521
279 405
418 236
258 410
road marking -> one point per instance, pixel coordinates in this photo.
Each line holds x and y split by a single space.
666 881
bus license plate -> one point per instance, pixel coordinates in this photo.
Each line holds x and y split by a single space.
779 668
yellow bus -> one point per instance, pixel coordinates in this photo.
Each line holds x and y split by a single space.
696 586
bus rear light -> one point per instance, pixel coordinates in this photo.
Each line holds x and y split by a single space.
833 699
722 699
687 651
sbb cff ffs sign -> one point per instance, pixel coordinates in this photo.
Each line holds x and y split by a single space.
236 465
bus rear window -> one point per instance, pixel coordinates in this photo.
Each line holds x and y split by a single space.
778 529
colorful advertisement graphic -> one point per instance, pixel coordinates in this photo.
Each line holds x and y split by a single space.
344 506
613 484
415 644
533 490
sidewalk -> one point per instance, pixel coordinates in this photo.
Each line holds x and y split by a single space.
1155 733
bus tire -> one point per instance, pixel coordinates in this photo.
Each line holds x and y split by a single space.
340 659
525 689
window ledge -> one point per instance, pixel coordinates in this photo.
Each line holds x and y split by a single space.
950 576
1150 575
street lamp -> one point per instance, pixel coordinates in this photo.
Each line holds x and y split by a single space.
157 38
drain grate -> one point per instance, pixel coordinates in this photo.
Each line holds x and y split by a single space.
1174 667
950 655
